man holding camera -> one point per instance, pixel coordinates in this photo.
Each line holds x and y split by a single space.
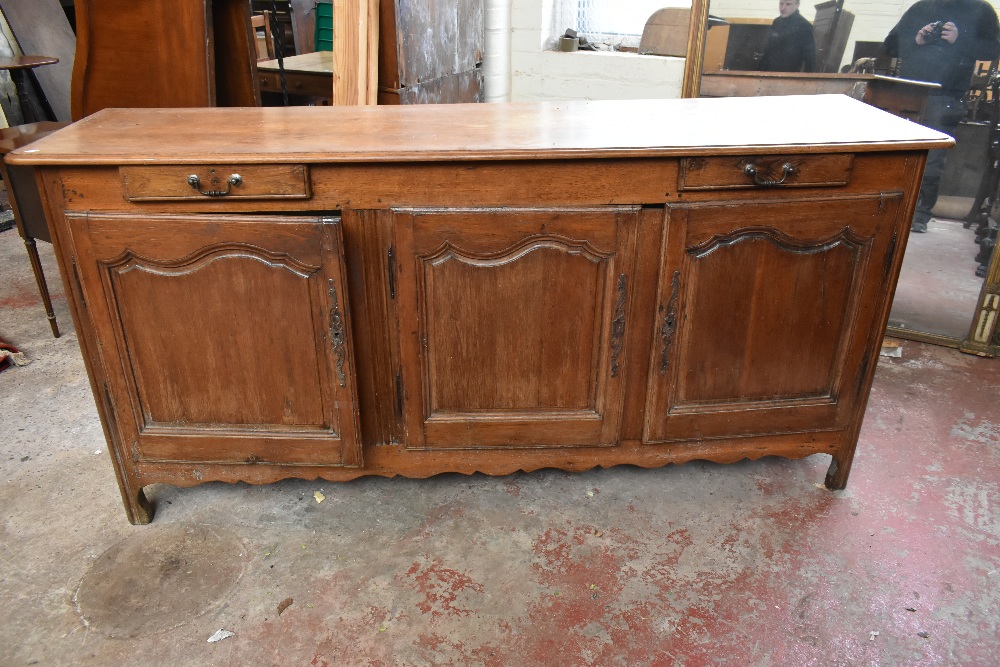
940 41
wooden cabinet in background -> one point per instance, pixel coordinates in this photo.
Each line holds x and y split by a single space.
488 288
159 53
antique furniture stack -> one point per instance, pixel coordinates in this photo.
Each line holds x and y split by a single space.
411 290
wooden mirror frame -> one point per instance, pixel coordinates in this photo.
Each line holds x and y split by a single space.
984 330
694 60
984 333
983 338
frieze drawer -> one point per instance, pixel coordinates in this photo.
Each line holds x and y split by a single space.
762 171
199 182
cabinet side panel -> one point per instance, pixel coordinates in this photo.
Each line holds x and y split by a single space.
137 508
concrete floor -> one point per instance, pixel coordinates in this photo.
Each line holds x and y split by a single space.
748 564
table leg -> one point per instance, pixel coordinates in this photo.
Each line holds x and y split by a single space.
43 288
29 111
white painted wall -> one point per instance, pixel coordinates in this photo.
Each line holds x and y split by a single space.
539 74
496 51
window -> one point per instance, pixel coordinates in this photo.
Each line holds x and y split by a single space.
616 22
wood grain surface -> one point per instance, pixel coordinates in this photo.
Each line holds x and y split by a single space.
528 130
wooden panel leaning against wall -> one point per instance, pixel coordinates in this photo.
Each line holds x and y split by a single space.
431 52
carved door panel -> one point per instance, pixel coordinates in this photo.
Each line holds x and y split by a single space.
223 338
512 325
753 323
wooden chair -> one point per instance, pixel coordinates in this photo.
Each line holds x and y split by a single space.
260 24
25 201
666 32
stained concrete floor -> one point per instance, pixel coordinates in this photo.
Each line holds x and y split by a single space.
748 564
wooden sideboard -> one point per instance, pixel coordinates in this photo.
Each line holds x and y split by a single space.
336 292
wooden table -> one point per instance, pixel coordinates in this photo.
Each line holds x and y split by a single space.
25 202
17 66
418 289
308 74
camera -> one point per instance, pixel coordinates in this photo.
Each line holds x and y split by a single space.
935 33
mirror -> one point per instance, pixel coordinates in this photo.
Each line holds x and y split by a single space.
949 286
844 31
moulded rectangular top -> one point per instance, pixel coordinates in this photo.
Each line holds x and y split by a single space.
518 130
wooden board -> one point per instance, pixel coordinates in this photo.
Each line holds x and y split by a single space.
355 52
435 39
304 25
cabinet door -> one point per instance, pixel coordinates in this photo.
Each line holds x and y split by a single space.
512 325
764 314
223 338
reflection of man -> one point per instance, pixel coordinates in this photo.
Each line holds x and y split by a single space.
940 41
790 46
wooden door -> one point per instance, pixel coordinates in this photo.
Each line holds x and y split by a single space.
513 325
223 338
764 314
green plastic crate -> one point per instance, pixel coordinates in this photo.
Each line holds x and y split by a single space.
323 37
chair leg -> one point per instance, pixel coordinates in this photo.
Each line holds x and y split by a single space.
43 289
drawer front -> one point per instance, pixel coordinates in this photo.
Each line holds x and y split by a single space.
200 182
297 83
764 171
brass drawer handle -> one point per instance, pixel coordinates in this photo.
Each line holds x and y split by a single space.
195 183
751 170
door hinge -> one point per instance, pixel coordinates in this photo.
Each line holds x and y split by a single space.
861 376
337 338
669 325
889 255
79 285
399 394
391 267
618 324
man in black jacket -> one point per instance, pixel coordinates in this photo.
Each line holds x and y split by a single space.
789 46
940 41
